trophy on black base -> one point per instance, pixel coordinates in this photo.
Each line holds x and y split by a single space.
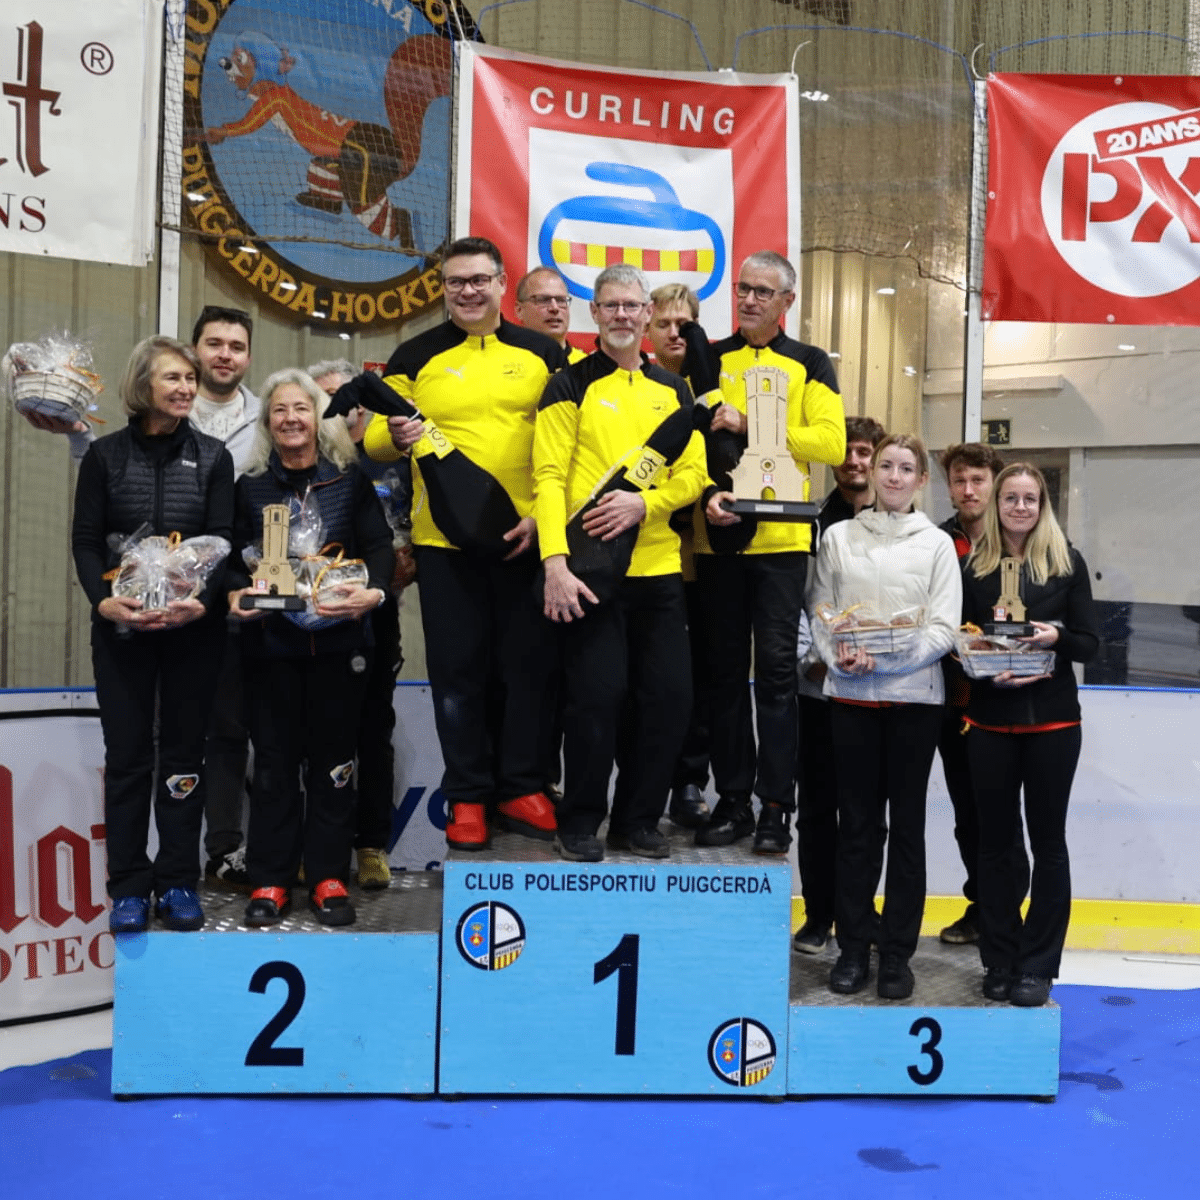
273 584
1008 612
767 484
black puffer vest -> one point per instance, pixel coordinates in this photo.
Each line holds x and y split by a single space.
170 493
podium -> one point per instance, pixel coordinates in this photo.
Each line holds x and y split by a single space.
946 1039
298 1008
512 972
631 976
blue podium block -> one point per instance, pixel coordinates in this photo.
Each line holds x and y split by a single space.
295 1009
622 977
945 1040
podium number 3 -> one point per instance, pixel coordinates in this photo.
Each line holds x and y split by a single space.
623 960
927 1025
263 1052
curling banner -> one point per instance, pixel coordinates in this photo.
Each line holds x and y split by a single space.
1092 212
577 168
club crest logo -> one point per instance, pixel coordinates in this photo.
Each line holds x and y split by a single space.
316 151
490 936
741 1052
342 774
180 787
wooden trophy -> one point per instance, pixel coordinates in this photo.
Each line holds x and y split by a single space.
1008 613
273 584
767 484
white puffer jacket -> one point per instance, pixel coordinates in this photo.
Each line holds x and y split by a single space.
888 562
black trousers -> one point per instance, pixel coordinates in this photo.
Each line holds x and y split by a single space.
304 722
817 814
759 597
952 745
226 750
174 671
376 754
483 632
629 694
692 764
882 752
1043 765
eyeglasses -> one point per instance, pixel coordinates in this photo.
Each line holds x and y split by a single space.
544 301
764 294
456 283
610 308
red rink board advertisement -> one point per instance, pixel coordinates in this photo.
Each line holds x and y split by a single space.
1092 212
56 953
578 167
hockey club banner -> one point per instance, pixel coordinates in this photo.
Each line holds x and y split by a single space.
79 135
578 167
1092 211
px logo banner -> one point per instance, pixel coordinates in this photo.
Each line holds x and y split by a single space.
577 167
1093 212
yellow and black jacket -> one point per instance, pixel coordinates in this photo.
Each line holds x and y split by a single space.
816 422
593 416
482 393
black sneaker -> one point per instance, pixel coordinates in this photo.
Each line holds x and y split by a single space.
811 938
578 847
649 843
688 809
997 983
964 931
773 834
895 978
229 870
850 973
1030 991
732 820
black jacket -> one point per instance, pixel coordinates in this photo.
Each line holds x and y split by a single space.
179 482
353 517
1065 600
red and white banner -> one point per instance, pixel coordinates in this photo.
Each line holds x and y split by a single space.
1092 212
56 953
578 167
79 138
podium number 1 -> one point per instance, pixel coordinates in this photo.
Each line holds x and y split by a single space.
624 960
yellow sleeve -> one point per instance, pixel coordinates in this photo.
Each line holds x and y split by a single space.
377 441
688 479
554 436
817 426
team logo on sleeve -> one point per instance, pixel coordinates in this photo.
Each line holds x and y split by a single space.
342 774
490 936
180 787
741 1052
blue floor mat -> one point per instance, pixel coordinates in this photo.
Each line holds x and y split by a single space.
1125 1126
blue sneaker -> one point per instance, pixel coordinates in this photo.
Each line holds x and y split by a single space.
179 908
130 914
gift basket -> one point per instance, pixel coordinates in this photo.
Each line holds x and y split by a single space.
984 657
157 570
321 570
863 629
52 377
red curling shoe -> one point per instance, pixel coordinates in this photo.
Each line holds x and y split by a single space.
467 829
532 816
330 903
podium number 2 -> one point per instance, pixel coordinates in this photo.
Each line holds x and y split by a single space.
623 960
929 1048
263 1052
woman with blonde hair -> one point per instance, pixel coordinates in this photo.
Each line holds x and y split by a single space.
889 560
1025 735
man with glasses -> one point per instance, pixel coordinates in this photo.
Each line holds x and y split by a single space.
479 377
544 304
755 597
626 661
